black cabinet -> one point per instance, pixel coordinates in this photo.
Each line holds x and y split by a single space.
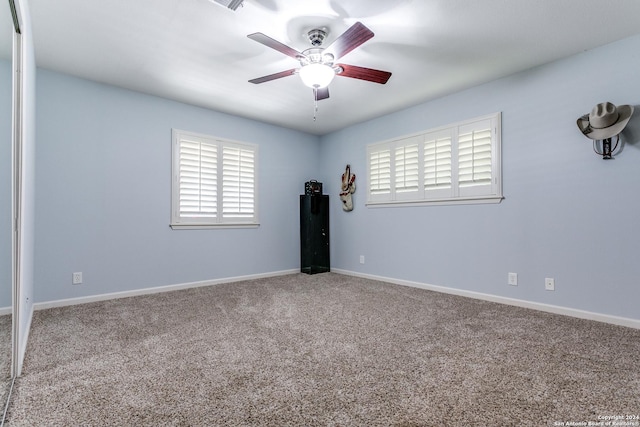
314 233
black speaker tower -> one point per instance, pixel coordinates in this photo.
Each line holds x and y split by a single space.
314 233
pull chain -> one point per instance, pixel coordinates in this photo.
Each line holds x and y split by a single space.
315 103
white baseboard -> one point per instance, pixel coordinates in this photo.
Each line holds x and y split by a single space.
5 310
155 290
581 314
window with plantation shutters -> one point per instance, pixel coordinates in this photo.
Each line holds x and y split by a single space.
459 163
214 182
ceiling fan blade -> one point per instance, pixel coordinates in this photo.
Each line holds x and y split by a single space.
273 76
349 40
275 44
322 93
362 73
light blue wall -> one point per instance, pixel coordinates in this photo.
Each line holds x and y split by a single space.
103 185
103 181
5 184
567 213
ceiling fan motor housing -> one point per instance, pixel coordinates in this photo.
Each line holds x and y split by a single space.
317 36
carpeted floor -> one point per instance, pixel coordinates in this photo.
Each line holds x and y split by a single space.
325 350
5 360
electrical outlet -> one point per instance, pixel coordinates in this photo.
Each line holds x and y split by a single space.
77 278
361 259
513 279
549 284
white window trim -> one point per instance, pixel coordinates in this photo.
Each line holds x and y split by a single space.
452 196
217 222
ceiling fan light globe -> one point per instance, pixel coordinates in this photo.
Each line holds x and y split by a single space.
317 75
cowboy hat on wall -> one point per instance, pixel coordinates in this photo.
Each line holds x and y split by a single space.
603 123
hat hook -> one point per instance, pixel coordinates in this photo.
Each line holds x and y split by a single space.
607 151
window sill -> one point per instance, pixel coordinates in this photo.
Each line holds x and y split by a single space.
211 226
439 202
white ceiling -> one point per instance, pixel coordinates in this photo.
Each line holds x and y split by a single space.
197 52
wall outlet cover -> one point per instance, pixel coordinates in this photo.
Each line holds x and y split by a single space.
77 278
549 284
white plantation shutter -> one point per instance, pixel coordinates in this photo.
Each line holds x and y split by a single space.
198 177
474 154
454 164
214 181
406 168
238 177
380 173
437 161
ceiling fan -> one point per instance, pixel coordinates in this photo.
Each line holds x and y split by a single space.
317 65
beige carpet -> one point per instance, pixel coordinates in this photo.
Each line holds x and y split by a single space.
322 350
5 360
